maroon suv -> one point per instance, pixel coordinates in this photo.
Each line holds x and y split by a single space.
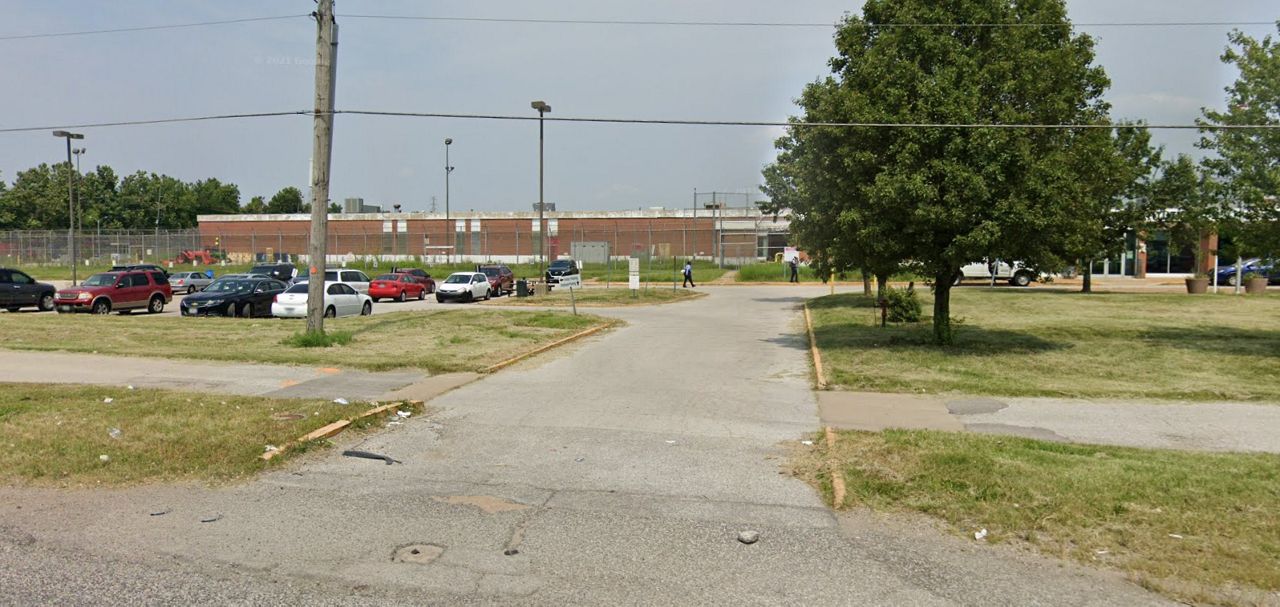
117 292
501 279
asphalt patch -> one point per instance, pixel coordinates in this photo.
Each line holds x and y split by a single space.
974 406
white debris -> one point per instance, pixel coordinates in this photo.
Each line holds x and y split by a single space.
671 442
980 534
108 400
129 387
114 433
104 458
271 449
1175 536
342 401
807 443
403 413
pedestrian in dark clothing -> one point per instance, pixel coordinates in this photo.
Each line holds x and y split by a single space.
688 274
795 270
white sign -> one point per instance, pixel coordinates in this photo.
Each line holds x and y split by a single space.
633 275
790 253
572 281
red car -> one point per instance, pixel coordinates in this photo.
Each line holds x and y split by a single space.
117 292
399 286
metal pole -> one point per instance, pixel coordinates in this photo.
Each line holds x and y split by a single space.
321 156
448 168
71 215
542 203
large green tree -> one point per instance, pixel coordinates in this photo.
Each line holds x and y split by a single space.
1181 205
287 200
949 195
1246 162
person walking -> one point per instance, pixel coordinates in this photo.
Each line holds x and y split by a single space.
795 269
688 275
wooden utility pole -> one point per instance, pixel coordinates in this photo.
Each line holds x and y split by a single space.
321 154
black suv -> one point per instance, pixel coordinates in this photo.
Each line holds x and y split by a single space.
283 272
17 291
141 267
561 267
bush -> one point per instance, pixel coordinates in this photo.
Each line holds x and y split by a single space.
903 304
317 340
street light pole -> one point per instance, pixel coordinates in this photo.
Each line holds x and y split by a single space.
448 168
79 202
542 108
71 203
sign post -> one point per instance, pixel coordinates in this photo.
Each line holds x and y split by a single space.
633 276
571 282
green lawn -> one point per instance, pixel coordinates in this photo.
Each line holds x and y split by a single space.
1035 342
57 435
441 341
597 295
1200 527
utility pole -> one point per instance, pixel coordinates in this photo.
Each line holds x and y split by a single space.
448 225
321 155
71 203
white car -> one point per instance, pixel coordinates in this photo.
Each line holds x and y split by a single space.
463 286
339 300
357 279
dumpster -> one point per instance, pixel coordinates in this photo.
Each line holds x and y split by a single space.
522 288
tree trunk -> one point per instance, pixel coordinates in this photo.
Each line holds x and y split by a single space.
866 283
1086 284
882 286
942 308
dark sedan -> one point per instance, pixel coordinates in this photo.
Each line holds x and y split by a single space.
17 291
234 297
1227 273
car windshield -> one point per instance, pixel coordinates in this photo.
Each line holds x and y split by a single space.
99 280
298 288
490 272
229 286
454 279
390 277
561 265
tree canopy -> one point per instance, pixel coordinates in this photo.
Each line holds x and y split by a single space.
937 197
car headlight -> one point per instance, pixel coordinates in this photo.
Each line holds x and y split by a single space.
213 302
84 295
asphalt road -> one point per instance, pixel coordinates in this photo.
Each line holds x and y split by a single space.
618 471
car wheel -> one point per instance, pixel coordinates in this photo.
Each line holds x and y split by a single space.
374 299
1231 280
156 305
1021 279
330 312
401 298
13 309
422 294
439 299
247 310
367 309
469 296
102 306
46 302
191 289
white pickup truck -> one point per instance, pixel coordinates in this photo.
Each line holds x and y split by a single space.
1016 274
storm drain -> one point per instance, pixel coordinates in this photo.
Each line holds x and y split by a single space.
420 554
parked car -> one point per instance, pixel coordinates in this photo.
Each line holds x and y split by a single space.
501 278
464 286
399 287
189 282
561 267
422 276
1227 274
257 276
246 297
340 299
357 279
17 291
117 292
141 267
283 272
1015 273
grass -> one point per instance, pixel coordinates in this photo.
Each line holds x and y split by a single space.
599 296
1112 506
318 340
56 435
777 272
444 341
1020 342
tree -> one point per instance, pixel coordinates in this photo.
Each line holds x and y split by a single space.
287 200
38 199
1180 205
940 197
212 197
256 205
1247 161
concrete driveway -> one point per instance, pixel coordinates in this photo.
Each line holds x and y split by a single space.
619 471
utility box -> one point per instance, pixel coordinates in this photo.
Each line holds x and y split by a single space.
590 251
522 288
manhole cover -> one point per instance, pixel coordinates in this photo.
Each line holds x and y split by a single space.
287 417
417 553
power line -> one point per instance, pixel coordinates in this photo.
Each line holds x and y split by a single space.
145 28
649 22
675 122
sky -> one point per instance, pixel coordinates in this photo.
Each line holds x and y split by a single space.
1162 75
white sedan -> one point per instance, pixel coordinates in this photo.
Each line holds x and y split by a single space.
339 300
464 286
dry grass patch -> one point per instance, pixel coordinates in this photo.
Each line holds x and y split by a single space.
1200 527
459 339
598 296
1019 342
57 436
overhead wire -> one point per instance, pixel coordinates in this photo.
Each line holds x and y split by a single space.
655 22
147 28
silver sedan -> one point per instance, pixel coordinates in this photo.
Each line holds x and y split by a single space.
188 282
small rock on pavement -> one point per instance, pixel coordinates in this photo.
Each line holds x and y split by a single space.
749 537
980 534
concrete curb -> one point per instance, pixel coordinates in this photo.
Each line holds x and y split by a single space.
813 348
837 478
337 427
515 359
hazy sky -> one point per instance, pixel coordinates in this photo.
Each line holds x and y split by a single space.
1163 75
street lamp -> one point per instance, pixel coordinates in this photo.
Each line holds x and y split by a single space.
542 108
71 202
79 203
448 168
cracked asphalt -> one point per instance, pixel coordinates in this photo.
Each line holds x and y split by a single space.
619 470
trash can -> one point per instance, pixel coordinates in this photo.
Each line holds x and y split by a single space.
522 288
